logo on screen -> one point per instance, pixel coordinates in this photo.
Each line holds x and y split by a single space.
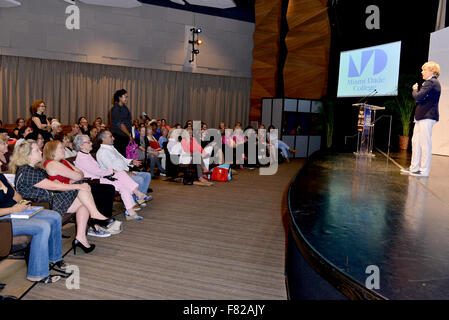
380 62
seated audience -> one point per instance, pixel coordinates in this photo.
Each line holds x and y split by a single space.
153 150
163 138
23 133
93 133
75 130
281 145
156 131
97 124
56 130
189 147
32 183
45 229
189 124
119 179
109 158
20 122
84 125
67 141
165 125
4 154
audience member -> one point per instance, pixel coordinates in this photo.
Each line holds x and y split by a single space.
4 154
121 121
58 169
84 125
20 122
119 179
56 130
67 141
45 229
163 138
32 183
39 122
109 158
164 124
153 151
189 147
281 145
75 130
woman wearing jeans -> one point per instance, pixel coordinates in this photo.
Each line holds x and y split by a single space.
44 227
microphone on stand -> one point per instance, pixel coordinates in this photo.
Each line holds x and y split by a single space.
372 93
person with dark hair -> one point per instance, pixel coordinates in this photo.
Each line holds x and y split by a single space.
165 125
24 133
4 154
20 122
39 121
189 124
156 131
84 125
121 121
97 123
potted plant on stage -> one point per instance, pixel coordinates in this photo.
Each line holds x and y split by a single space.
326 116
403 105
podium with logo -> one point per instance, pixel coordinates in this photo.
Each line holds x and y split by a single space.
365 128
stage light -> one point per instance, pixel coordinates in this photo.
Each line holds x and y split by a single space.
196 30
195 41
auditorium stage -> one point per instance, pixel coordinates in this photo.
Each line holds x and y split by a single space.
348 213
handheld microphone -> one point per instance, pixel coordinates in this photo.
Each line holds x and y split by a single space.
146 116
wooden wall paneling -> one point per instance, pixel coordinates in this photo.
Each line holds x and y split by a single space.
308 42
265 53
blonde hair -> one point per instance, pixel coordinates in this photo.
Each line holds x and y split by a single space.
432 66
20 155
50 150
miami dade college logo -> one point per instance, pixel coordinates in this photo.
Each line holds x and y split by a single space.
380 62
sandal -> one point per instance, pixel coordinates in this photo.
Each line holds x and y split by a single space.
61 264
61 267
49 279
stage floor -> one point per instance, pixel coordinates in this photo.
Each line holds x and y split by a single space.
359 212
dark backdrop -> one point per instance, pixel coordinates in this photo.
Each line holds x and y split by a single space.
409 22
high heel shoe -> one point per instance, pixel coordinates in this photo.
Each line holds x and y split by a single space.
77 243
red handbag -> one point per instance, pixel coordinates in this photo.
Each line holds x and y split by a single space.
219 174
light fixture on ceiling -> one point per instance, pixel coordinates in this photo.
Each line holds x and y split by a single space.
219 4
195 41
9 3
126 4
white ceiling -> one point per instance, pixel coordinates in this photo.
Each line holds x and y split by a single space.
114 3
221 4
9 3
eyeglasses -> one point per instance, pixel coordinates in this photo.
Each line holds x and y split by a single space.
88 141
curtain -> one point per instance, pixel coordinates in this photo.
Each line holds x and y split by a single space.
71 90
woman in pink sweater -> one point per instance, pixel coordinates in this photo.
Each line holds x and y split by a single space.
119 179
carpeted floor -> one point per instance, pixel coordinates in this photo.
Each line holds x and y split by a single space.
221 242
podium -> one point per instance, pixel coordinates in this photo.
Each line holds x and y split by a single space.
365 128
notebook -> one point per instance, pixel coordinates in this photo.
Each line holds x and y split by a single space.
26 214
